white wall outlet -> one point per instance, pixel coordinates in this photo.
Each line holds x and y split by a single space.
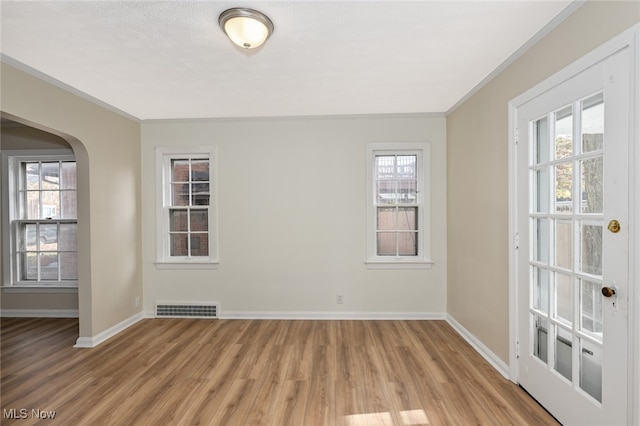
339 299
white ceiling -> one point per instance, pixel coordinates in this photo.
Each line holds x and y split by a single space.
169 59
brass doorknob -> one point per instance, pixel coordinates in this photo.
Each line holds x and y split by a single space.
608 291
614 226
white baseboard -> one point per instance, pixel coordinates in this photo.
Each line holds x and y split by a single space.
320 315
39 313
486 353
92 342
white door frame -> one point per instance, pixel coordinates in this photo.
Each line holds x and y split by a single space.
629 39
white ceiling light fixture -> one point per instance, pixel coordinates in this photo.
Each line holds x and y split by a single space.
247 28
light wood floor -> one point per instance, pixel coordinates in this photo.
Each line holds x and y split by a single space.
243 372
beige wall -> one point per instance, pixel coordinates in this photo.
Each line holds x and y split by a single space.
27 138
107 150
477 171
292 217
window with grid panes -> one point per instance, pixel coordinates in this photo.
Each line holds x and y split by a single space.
397 204
43 221
187 224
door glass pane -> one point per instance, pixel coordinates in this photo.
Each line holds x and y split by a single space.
564 188
541 191
540 332
564 297
541 141
563 345
591 185
564 133
593 123
563 241
591 308
541 240
591 247
541 289
591 369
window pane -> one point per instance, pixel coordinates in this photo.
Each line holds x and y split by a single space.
384 166
541 289
199 220
386 244
178 244
591 369
540 337
180 194
386 192
593 123
406 166
564 297
564 188
50 204
69 205
407 191
68 175
590 307
563 244
178 221
408 243
541 141
541 240
30 239
49 266
200 194
68 240
69 266
541 191
564 133
564 356
48 237
32 208
387 219
32 176
180 170
50 175
199 245
407 218
200 170
29 266
591 248
591 185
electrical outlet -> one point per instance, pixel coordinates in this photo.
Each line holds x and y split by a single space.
137 302
339 299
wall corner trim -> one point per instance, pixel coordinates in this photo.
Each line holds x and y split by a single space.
92 342
476 344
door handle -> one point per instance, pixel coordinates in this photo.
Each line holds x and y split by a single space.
608 291
614 226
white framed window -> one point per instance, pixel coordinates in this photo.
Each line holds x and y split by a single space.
186 210
41 250
398 205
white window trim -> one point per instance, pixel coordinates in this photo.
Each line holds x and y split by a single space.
163 259
423 259
11 160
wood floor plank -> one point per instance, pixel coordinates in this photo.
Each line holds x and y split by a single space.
246 372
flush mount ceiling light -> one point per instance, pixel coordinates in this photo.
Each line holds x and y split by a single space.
247 28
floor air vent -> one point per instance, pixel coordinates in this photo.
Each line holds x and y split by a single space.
186 310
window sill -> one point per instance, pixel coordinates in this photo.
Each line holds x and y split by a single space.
186 265
399 264
35 289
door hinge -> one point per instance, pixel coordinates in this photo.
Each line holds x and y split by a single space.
516 241
517 349
516 137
